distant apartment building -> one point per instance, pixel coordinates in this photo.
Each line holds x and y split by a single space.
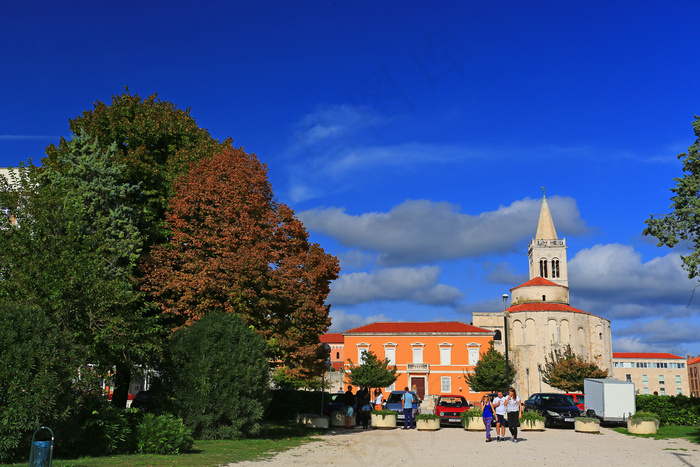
693 380
663 374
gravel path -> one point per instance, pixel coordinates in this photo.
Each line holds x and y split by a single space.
455 446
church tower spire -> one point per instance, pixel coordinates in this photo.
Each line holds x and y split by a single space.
547 253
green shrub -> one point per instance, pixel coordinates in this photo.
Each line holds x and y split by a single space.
531 415
639 417
587 420
37 365
672 410
163 434
218 373
467 415
427 416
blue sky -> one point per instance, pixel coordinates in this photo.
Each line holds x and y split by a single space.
412 138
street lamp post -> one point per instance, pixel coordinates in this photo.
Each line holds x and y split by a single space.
505 336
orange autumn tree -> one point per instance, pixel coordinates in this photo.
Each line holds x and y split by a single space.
235 248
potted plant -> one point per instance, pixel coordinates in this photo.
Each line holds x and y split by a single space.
384 419
643 423
532 421
587 425
472 419
427 422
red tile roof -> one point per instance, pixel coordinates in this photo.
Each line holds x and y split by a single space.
694 360
544 306
448 326
537 281
644 355
332 338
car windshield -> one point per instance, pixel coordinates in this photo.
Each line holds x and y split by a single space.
581 399
395 397
557 399
452 402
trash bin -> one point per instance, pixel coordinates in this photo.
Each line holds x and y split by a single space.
42 451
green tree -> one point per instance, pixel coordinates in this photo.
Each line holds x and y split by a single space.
566 371
75 241
154 143
38 364
219 376
490 372
235 248
684 222
373 372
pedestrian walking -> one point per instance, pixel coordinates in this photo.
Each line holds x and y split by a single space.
499 404
514 409
487 415
407 400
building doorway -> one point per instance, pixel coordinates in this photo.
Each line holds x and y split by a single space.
418 385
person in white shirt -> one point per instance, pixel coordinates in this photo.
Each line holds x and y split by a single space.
378 399
514 410
499 403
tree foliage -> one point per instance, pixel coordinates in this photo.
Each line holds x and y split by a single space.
373 372
74 240
490 372
684 222
236 249
38 364
218 374
566 371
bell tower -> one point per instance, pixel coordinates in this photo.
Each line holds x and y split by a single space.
546 252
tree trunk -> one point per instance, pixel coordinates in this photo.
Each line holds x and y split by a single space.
121 382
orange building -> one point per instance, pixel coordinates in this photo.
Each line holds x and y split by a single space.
335 342
430 357
693 379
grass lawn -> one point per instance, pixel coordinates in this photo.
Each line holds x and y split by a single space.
273 438
691 433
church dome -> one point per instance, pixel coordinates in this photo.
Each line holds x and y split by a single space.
539 290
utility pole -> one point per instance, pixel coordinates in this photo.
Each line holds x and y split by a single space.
505 336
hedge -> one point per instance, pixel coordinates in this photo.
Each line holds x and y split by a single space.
672 410
286 403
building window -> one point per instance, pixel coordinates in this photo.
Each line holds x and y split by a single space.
361 349
679 391
662 391
446 384
555 268
646 391
678 380
445 354
628 378
644 379
681 365
337 355
417 353
615 364
497 335
391 388
473 353
661 379
543 268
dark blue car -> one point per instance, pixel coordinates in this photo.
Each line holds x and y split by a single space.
393 402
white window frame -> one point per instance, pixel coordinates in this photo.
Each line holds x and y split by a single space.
445 349
390 347
361 347
417 347
473 346
391 388
445 382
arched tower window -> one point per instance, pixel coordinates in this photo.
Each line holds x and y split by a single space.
497 335
543 267
555 268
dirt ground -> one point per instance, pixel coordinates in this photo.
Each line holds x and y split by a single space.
456 446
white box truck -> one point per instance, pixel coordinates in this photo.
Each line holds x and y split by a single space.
610 400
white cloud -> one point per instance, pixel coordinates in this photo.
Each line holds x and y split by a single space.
394 284
659 335
502 273
611 280
423 231
342 321
355 259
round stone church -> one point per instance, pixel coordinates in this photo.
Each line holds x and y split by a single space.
540 318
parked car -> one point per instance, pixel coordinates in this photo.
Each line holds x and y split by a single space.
141 401
337 404
579 400
557 409
393 402
450 407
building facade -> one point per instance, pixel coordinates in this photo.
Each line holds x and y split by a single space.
693 379
431 358
335 377
540 319
663 374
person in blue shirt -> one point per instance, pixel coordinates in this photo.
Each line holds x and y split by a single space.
488 415
407 400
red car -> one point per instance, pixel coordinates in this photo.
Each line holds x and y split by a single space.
579 400
450 407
